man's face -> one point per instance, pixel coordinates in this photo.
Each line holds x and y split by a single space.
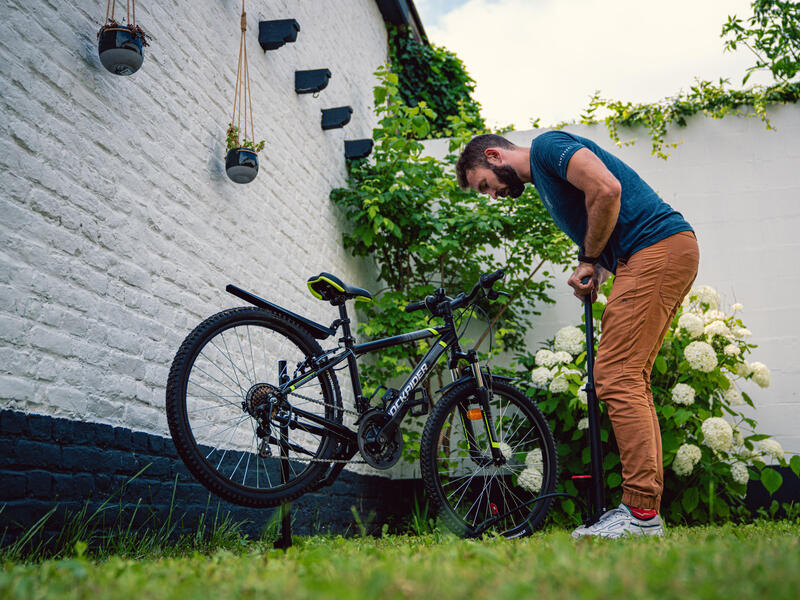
496 181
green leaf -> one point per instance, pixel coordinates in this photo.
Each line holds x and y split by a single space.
771 479
690 499
613 480
794 464
667 411
660 364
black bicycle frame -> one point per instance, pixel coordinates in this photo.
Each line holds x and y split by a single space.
397 409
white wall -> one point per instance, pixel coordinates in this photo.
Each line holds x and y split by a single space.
738 184
119 228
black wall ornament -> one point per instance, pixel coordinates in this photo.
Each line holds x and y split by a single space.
311 82
274 34
354 149
334 118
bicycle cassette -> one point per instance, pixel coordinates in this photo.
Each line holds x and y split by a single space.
379 453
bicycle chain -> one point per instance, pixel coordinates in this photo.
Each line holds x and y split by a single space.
323 460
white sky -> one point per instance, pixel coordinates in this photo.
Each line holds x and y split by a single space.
545 58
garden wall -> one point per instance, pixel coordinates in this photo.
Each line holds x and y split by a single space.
120 228
737 184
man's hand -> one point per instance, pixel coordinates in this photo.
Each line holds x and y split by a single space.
590 287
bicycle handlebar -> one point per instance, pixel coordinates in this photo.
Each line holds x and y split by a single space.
485 283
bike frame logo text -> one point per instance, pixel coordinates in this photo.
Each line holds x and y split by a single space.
413 382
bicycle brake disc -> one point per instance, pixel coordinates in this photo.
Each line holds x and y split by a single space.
380 454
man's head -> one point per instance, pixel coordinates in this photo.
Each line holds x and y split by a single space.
483 168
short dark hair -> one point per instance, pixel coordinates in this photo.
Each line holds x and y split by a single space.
473 155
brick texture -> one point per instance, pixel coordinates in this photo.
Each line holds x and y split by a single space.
120 228
71 471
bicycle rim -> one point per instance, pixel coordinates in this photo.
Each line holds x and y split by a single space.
472 490
234 368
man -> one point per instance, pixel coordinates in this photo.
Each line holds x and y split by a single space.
621 226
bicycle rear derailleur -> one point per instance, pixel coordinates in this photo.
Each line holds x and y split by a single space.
380 451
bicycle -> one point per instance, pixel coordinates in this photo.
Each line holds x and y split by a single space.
258 436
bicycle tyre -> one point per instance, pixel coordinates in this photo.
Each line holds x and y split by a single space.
451 475
193 416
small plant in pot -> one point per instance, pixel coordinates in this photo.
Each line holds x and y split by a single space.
241 160
120 47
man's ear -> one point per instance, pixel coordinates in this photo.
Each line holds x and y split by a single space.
494 156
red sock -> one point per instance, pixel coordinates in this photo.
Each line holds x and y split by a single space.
643 513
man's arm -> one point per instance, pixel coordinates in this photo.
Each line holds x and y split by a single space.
602 191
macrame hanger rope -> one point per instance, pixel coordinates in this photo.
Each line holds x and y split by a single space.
242 99
130 11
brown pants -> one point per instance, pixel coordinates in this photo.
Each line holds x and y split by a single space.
647 292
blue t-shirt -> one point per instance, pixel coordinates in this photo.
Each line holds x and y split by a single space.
644 218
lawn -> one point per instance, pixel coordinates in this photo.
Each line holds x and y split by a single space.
757 561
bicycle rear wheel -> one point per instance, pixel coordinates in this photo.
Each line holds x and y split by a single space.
224 371
460 477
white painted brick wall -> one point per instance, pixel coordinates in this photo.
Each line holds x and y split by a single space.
737 184
120 228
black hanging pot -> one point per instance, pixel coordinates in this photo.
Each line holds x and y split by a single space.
241 164
120 50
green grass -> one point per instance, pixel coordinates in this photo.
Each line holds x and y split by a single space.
759 561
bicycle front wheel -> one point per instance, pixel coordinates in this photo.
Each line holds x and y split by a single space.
222 375
465 484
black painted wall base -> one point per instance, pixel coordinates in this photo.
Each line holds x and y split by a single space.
46 461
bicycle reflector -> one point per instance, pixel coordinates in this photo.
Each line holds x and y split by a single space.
474 414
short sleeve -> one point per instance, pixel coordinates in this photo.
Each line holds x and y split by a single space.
552 151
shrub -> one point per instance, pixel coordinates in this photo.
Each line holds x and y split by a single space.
711 448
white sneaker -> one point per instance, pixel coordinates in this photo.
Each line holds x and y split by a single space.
620 522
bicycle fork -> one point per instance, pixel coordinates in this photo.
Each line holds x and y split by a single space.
484 413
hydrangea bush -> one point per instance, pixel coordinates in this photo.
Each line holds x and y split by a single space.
711 449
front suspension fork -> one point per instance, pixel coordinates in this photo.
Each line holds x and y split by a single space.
484 395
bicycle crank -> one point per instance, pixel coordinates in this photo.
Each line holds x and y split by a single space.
380 452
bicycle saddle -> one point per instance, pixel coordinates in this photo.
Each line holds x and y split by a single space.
329 287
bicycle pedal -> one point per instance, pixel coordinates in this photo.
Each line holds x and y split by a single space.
419 408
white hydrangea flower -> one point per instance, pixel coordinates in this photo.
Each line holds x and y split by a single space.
707 295
506 451
731 350
737 307
748 455
530 479
740 473
713 315
742 369
545 358
701 356
686 458
559 384
534 459
541 377
717 328
717 433
741 333
563 357
691 324
601 299
583 423
583 399
683 393
570 339
738 437
760 374
732 395
687 300
770 447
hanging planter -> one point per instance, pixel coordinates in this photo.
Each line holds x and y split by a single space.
118 45
241 160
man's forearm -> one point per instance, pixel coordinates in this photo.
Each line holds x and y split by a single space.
602 212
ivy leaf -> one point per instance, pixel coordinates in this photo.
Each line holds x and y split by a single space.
771 479
690 499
